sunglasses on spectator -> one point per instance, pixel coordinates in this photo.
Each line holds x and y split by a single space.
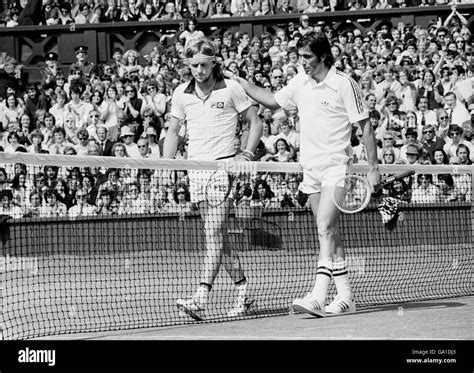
148 116
181 192
94 115
455 133
412 154
441 35
129 91
142 146
428 131
80 196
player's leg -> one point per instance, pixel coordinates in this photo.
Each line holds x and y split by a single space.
233 266
344 300
213 219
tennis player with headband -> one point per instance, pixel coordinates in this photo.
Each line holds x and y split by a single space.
329 103
210 105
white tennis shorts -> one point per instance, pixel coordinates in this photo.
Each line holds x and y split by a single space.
325 173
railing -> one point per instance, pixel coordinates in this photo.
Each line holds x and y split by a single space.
29 44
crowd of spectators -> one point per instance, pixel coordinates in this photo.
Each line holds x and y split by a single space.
416 82
54 12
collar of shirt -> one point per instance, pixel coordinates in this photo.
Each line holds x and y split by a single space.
328 80
191 88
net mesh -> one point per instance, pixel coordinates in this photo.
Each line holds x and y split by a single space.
138 243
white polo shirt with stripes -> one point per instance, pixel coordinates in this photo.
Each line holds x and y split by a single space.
212 122
327 111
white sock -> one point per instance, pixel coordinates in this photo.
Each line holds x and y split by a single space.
323 278
202 294
341 278
241 289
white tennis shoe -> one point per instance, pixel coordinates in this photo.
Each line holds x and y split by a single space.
339 305
240 307
191 308
309 305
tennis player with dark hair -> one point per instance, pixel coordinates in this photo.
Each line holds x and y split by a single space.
211 105
329 103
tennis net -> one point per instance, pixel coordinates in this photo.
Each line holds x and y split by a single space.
137 243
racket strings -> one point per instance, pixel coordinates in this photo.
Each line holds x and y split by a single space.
353 195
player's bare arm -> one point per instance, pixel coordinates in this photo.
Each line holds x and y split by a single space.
373 176
256 128
170 145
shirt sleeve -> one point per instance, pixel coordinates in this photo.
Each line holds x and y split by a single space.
356 109
286 97
177 107
239 98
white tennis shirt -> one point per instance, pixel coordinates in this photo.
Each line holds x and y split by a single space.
327 111
211 123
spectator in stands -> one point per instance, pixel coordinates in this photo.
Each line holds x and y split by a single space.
399 189
13 142
440 157
457 112
21 188
10 114
463 152
81 207
127 137
430 141
59 142
130 66
52 207
83 141
51 174
62 193
119 150
34 206
426 191
71 128
34 101
193 11
263 196
282 151
424 115
30 13
454 139
104 143
170 12
110 112
64 16
190 31
154 100
448 192
86 15
37 146
388 142
7 207
122 14
412 155
104 203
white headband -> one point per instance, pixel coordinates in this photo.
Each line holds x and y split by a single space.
199 58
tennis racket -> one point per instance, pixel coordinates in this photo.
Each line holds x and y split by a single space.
218 188
354 194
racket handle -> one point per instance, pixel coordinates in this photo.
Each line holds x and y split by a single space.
389 180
